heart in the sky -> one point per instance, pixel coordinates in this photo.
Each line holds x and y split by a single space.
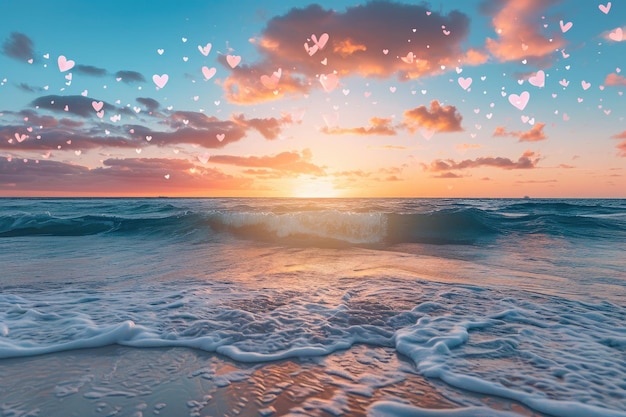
605 9
465 82
519 102
538 80
65 64
329 81
585 85
233 60
208 72
565 26
617 35
204 50
97 105
160 80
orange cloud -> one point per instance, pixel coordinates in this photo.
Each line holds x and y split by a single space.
528 160
614 79
519 30
369 40
620 135
533 135
436 118
292 162
133 176
377 126
622 148
467 146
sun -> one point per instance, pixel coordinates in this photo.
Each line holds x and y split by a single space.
314 188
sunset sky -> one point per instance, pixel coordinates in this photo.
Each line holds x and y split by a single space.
449 98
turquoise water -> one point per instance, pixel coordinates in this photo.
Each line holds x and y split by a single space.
516 299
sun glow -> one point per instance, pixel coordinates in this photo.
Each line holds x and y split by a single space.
314 188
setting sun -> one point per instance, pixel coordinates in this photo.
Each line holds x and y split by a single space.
314 188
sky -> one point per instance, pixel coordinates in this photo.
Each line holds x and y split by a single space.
448 98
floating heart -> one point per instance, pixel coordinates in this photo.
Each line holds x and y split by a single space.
565 26
233 60
65 64
220 136
617 35
204 50
160 80
585 85
465 82
520 101
97 105
538 80
329 82
605 9
204 158
208 72
321 42
408 58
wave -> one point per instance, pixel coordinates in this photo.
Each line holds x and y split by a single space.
464 225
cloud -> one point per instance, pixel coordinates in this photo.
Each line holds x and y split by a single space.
622 148
18 46
130 76
270 128
133 176
620 135
447 175
614 79
78 105
367 40
150 103
467 146
90 70
519 33
377 126
528 160
292 162
533 135
436 118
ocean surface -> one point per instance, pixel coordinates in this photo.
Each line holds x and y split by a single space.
504 307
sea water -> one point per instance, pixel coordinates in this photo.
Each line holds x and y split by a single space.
521 301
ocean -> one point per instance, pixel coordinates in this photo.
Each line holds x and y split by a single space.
322 307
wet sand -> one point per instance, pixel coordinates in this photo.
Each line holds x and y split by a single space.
122 381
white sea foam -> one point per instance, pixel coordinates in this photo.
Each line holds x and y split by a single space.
357 228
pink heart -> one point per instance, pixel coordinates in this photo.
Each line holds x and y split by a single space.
408 58
564 82
605 9
160 80
585 85
565 26
520 101
65 64
465 82
269 82
97 105
208 72
329 82
538 80
233 60
220 136
616 35
204 158
204 50
322 41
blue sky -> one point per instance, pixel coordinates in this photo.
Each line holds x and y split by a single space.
383 107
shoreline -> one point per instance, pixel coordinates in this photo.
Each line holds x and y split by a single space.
118 380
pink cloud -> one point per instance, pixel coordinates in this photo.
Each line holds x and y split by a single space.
518 27
377 126
533 135
368 40
528 160
614 79
435 118
292 162
133 176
